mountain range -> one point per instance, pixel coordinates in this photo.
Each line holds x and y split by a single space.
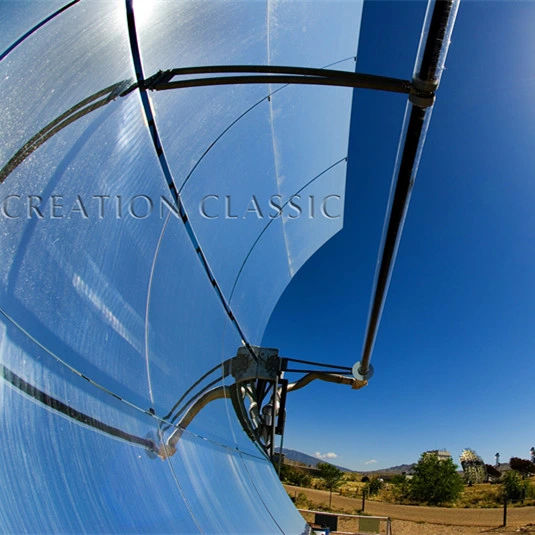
310 460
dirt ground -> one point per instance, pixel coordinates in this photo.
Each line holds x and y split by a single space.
423 520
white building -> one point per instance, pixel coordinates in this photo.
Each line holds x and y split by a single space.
443 455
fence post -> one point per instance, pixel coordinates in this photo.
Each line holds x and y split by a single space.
505 510
363 499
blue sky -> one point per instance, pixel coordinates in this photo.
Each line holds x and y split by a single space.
454 350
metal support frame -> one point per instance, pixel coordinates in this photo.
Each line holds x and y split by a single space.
420 93
426 77
273 74
280 74
258 395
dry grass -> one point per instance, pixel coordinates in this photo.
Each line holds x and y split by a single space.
478 511
422 520
485 495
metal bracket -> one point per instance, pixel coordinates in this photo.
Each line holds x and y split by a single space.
245 368
357 372
423 92
258 395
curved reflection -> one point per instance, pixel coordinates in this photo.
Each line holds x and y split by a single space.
89 104
124 335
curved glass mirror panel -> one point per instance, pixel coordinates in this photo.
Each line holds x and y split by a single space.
130 389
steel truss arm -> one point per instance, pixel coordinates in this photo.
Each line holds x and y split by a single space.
277 74
427 76
329 377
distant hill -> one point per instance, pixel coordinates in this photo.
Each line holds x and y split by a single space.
309 460
393 470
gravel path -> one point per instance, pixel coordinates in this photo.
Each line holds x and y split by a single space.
423 520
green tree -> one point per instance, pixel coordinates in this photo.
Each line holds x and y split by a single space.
513 487
332 477
435 481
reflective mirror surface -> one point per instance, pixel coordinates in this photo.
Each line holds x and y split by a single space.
146 236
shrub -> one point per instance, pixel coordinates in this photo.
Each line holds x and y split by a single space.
401 487
513 486
374 486
294 476
302 502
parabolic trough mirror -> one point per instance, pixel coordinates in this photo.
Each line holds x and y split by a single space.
165 169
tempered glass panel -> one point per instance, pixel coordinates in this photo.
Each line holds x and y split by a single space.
191 120
313 34
77 64
20 16
184 33
265 273
284 245
70 479
275 498
204 471
78 275
322 216
228 198
31 368
239 187
185 341
249 157
310 130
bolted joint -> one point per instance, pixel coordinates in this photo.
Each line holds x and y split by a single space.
161 77
421 99
360 374
266 366
422 93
